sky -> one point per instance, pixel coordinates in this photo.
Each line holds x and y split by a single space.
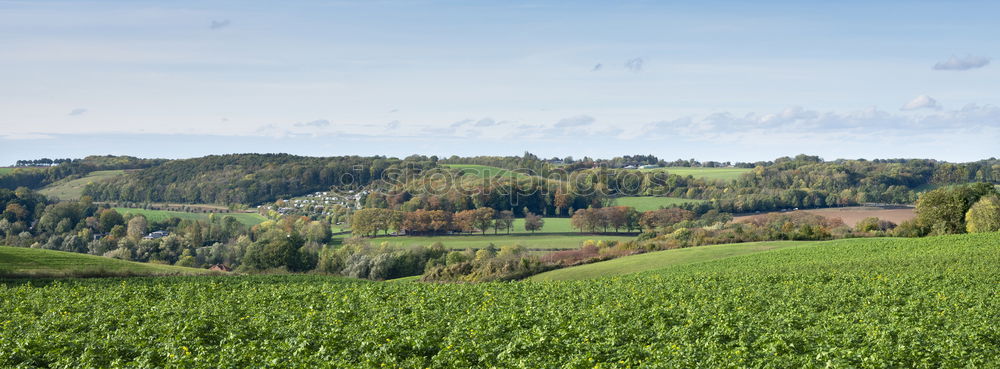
727 81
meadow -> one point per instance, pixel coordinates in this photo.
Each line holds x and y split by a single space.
21 262
921 303
72 189
663 259
249 219
725 174
485 171
647 203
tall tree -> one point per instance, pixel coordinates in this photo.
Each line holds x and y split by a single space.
984 215
533 222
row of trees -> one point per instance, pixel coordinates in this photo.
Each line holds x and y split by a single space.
957 209
369 222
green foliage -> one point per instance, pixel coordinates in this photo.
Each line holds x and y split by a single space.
984 215
943 211
907 303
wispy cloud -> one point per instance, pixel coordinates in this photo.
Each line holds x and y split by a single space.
597 67
921 102
634 64
963 63
320 123
77 111
392 125
220 24
577 121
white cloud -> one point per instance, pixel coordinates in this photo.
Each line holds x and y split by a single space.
634 64
320 123
577 121
77 111
963 63
921 102
219 24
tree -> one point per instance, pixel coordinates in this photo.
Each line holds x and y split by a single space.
533 222
109 219
505 219
983 216
482 218
137 227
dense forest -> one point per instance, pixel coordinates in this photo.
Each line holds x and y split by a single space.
38 173
251 178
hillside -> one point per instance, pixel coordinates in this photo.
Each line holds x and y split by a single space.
36 263
664 259
72 189
248 219
904 303
724 174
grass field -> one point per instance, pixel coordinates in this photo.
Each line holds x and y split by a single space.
647 203
483 171
857 303
725 174
71 190
851 215
19 262
537 241
248 219
662 259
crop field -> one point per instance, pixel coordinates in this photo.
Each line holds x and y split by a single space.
924 303
249 219
663 259
647 203
484 171
34 263
71 190
725 174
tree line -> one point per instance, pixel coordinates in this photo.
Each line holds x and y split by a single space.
370 222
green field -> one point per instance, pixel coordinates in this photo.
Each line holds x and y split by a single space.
857 303
70 190
662 259
484 171
249 219
537 241
5 170
36 263
725 174
647 203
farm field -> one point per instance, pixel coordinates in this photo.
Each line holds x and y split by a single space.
664 259
647 203
484 171
725 174
852 214
37 263
850 303
71 190
249 219
536 241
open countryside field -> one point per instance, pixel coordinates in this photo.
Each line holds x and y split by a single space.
852 214
70 190
36 263
848 303
249 219
663 259
536 241
725 174
647 203
484 171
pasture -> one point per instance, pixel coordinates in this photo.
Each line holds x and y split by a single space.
851 215
18 262
663 259
72 189
647 203
248 219
539 241
723 174
908 303
484 171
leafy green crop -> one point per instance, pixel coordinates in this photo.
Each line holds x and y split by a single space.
923 303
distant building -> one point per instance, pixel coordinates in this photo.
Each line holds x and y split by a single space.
648 166
156 235
630 167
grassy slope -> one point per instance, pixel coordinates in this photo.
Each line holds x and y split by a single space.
484 171
26 262
646 203
537 241
72 189
726 174
662 259
249 219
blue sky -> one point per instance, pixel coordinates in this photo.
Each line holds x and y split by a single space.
732 81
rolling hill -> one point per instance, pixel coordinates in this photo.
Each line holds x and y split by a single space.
21 262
